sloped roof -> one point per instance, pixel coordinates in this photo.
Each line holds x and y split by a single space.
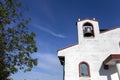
106 30
68 46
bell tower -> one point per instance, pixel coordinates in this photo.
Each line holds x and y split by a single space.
87 29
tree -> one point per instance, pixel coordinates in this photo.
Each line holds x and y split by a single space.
16 42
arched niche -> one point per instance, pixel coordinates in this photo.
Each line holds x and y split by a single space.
88 30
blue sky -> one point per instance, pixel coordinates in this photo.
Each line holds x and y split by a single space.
54 22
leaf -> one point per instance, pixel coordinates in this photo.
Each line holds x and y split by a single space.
16 42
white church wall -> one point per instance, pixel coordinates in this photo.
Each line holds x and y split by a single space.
93 51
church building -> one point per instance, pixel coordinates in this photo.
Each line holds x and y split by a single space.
96 56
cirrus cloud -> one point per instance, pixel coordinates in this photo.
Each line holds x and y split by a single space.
48 68
49 31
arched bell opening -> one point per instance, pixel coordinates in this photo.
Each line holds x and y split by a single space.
88 30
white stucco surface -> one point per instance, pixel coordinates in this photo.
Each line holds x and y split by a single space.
93 51
118 68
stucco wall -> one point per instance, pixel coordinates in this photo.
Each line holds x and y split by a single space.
93 51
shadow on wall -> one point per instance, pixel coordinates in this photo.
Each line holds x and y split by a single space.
107 72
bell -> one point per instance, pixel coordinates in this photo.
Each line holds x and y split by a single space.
88 32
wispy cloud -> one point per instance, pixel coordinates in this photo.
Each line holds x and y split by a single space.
47 9
48 68
48 61
49 31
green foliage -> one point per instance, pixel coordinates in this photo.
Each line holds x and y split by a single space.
16 43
